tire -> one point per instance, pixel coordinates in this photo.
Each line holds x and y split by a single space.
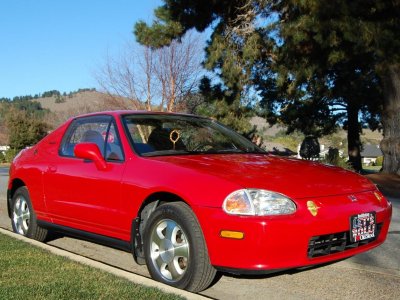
175 251
23 217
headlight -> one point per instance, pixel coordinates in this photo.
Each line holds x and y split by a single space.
257 202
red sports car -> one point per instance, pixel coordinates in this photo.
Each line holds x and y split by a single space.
190 197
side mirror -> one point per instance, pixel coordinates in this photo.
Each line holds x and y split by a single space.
91 152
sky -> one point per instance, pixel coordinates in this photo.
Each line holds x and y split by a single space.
59 44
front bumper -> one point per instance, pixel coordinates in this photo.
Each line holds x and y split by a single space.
282 242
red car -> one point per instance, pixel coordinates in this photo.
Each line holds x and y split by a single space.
190 197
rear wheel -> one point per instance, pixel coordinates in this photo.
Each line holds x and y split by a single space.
175 250
23 218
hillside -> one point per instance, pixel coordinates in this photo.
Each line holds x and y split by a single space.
61 108
64 107
3 136
74 104
87 101
274 137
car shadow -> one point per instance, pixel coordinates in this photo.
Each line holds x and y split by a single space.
52 236
278 273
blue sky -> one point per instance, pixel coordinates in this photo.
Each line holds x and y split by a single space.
58 44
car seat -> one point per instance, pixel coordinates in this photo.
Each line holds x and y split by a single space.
159 139
93 136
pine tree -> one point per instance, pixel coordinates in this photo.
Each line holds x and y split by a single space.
314 64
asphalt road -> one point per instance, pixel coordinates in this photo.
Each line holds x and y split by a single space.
3 171
372 275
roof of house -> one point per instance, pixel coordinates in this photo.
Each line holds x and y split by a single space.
371 151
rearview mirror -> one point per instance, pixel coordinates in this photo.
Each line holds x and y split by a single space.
91 152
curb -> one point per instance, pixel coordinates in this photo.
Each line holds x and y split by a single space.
98 265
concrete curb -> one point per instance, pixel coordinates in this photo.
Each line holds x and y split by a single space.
98 265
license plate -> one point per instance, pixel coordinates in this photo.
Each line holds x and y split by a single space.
362 227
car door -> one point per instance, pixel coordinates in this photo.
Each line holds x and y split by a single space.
80 195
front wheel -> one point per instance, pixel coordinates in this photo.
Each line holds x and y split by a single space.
175 250
23 218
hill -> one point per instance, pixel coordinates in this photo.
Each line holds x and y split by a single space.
274 136
86 101
63 107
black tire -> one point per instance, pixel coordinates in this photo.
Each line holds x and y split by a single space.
190 268
23 217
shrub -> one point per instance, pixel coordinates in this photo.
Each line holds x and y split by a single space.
25 129
10 154
333 158
379 161
310 148
59 99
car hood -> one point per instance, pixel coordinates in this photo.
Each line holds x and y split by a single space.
292 177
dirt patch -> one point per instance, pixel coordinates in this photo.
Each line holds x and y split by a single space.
389 184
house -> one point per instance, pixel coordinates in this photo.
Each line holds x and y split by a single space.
3 149
370 153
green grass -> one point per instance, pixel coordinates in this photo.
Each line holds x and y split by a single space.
371 169
28 272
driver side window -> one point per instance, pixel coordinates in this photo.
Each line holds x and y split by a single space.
99 130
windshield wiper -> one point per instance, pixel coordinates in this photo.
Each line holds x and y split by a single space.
247 151
211 151
233 150
165 152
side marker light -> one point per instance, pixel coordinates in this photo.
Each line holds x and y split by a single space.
312 207
237 235
378 196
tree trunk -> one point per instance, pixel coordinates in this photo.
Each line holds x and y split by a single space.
390 145
353 136
171 100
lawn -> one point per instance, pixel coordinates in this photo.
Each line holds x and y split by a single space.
371 169
28 272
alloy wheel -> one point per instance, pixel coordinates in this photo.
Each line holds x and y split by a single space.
21 215
169 250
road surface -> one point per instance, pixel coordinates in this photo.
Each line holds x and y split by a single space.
372 275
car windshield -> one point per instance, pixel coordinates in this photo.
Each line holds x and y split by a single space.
155 135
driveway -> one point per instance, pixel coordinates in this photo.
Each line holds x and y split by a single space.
3 171
372 275
3 186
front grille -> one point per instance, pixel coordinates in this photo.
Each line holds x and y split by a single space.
336 242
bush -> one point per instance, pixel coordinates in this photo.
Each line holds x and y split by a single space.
310 148
59 99
9 155
379 161
333 158
25 129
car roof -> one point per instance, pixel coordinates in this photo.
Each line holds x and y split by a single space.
116 113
